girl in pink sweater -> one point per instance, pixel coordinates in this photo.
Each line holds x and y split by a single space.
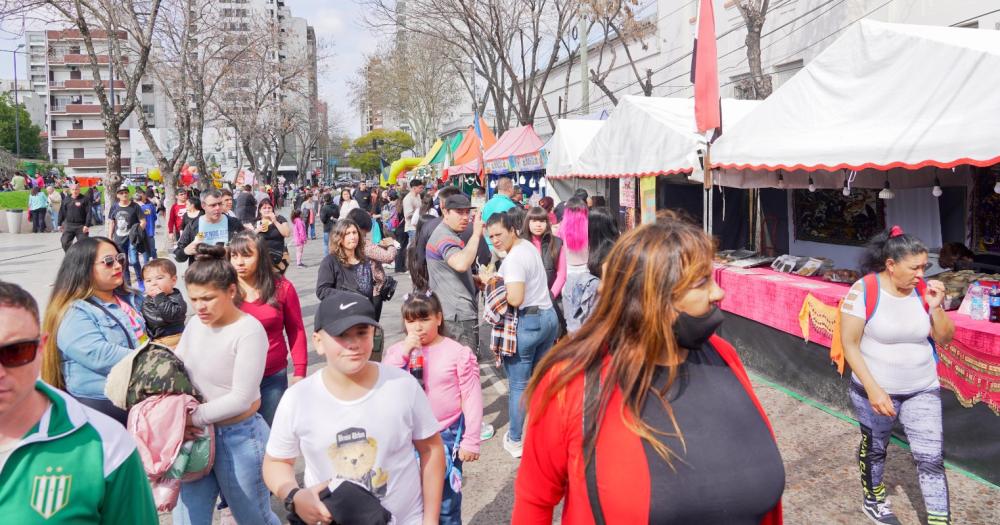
450 375
299 236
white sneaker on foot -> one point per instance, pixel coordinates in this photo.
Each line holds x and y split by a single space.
486 431
514 448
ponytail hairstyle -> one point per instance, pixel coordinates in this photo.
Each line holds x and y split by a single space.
246 243
574 224
211 267
890 244
74 282
420 305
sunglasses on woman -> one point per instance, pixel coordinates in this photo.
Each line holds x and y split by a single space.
18 354
109 260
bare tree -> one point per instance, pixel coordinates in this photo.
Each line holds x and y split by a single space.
423 98
306 136
621 30
754 13
513 44
115 33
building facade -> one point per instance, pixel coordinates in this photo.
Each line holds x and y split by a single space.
794 33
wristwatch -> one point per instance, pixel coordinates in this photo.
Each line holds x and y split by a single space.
290 499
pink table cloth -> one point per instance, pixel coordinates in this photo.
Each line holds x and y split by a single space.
970 365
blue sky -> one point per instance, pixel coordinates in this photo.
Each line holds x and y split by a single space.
337 21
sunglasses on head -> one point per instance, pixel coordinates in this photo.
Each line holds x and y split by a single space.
109 260
19 353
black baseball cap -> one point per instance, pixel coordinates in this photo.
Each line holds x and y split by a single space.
340 310
458 202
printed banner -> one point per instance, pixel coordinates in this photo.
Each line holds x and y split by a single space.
647 192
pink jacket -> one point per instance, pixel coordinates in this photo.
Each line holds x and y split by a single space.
157 424
451 376
300 232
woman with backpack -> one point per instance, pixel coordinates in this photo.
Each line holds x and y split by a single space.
891 320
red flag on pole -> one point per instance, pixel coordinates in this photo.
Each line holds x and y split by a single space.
705 72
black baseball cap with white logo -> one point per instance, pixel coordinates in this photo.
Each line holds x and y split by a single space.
340 310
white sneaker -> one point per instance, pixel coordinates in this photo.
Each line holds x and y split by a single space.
515 448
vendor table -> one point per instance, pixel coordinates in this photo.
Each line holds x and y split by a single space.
769 311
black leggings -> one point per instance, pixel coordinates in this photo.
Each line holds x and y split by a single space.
38 220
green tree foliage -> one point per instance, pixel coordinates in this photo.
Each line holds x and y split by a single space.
31 142
365 150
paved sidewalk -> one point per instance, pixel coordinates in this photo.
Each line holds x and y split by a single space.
818 449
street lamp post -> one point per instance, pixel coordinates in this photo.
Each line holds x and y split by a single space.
17 113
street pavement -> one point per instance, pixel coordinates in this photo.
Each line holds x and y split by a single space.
819 449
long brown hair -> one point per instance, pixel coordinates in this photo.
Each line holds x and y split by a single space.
647 272
337 234
74 282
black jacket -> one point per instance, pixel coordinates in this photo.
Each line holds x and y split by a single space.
191 231
329 214
333 276
245 206
76 212
164 314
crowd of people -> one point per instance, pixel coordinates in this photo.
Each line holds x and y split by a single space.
623 402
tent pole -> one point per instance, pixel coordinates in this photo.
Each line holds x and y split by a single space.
707 201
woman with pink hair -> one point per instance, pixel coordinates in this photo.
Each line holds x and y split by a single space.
580 289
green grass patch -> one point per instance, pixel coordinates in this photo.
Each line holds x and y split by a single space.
14 200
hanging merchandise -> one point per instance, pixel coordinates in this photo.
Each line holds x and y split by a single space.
532 184
521 180
493 184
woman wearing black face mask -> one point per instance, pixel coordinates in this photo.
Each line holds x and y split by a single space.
644 415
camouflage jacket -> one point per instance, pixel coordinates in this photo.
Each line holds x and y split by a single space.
157 370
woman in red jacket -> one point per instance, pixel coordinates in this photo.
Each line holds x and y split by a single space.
644 415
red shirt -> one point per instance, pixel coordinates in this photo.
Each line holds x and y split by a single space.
176 217
285 317
552 465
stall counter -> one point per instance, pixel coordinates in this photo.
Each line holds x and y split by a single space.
807 307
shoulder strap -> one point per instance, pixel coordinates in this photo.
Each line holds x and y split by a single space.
922 292
591 400
128 335
870 287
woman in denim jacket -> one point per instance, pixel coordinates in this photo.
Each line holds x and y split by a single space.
96 321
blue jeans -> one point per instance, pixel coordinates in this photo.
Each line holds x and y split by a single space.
54 216
535 335
326 241
98 214
312 231
239 458
451 499
150 252
272 387
134 263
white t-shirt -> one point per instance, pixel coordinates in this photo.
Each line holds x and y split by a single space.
411 211
225 364
894 344
523 264
368 440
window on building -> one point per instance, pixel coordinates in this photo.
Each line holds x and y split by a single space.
75 74
55 154
77 153
147 88
78 124
74 50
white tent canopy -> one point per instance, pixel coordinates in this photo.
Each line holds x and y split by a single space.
648 136
905 99
571 137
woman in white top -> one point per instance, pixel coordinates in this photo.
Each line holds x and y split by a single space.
224 351
346 202
890 324
537 323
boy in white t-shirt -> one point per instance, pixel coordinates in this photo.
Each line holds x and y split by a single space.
355 421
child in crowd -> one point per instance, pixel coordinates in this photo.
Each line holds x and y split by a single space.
300 237
357 421
163 307
451 375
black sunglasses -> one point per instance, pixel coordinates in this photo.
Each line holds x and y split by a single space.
109 260
18 354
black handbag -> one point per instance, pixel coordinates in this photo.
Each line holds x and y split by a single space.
388 288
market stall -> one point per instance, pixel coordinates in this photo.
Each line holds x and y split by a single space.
883 127
517 154
564 147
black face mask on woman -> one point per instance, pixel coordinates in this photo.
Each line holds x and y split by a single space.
693 332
